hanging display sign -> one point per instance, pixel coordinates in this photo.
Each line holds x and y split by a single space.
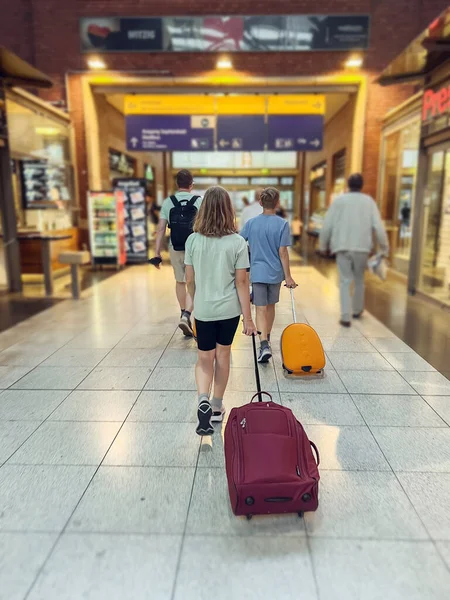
301 133
242 123
170 132
236 33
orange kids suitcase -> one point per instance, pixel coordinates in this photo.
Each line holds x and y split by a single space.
301 348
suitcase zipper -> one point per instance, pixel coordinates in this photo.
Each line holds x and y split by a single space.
239 469
243 423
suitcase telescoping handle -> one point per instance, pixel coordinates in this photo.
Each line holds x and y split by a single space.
255 360
294 312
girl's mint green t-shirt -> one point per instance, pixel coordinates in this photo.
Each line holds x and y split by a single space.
215 261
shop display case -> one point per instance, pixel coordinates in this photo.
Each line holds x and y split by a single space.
107 227
136 239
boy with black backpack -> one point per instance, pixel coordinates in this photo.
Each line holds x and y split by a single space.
179 212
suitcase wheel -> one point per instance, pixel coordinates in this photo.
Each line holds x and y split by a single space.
306 369
287 371
300 514
249 517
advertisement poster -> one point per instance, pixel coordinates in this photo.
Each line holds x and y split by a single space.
135 212
258 33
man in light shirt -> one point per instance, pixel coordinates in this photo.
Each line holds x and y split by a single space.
348 229
251 210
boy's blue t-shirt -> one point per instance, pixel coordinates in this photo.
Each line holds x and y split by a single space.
266 234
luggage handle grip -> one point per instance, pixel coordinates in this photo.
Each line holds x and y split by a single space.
314 447
259 396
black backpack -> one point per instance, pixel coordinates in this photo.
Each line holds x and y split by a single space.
181 221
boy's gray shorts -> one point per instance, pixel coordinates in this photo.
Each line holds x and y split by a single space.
266 293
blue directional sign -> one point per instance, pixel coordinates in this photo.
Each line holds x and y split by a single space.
301 133
241 132
170 132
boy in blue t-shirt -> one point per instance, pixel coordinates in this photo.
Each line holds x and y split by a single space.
268 237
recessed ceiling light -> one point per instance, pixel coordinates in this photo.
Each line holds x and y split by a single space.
96 63
354 63
224 63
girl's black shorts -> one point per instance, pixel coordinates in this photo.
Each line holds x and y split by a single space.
210 333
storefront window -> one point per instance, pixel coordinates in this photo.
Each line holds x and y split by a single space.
399 172
42 174
435 271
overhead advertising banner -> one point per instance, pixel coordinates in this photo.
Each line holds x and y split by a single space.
170 132
241 133
259 33
302 133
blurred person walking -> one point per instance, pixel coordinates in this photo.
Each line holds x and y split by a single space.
251 210
216 272
348 229
178 212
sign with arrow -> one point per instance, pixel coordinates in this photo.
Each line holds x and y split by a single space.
241 133
300 133
170 132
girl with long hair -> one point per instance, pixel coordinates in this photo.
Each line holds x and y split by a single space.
216 275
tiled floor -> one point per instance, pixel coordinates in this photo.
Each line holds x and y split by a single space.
107 493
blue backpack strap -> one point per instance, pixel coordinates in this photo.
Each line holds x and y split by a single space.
193 200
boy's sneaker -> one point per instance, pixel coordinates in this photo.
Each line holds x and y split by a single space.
265 353
218 414
204 414
185 325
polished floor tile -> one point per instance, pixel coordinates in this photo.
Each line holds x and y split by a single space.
441 404
363 504
415 449
389 345
116 378
136 340
210 498
359 361
330 383
53 378
21 557
132 357
326 409
280 568
407 361
373 569
135 500
92 339
178 358
389 410
75 357
10 375
430 495
95 405
375 382
40 498
428 384
25 355
13 434
67 443
155 444
346 344
243 380
177 407
109 567
444 551
33 405
347 448
176 378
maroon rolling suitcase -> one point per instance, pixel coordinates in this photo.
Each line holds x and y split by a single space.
270 465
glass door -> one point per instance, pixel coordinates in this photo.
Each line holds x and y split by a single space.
435 268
